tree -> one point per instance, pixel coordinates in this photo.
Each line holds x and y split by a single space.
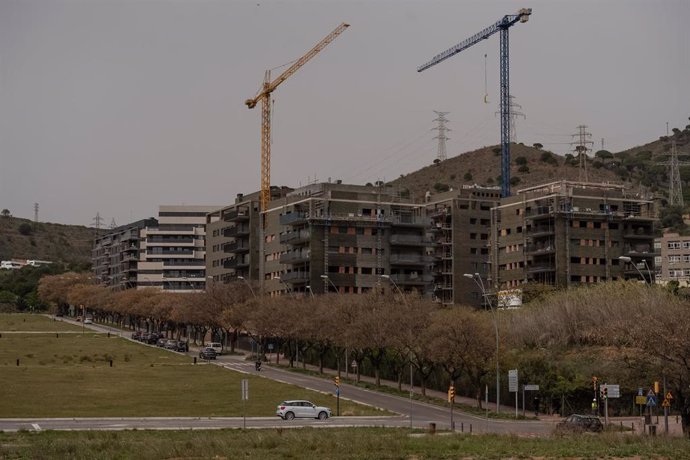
538 146
24 229
5 213
468 176
520 161
603 154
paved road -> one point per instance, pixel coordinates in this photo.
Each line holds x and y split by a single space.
411 412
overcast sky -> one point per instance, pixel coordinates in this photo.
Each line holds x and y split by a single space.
116 107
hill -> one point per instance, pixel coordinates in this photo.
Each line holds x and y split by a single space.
65 244
637 168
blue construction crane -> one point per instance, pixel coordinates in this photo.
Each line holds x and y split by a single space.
502 25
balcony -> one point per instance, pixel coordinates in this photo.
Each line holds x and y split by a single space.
538 249
409 240
536 232
294 238
408 221
295 277
235 263
540 268
296 257
410 259
236 231
236 248
236 216
293 218
411 280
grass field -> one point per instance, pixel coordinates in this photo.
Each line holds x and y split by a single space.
33 323
71 376
336 443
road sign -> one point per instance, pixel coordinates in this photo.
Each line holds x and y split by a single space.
245 390
651 399
641 400
669 396
270 346
531 387
613 391
640 392
513 380
666 403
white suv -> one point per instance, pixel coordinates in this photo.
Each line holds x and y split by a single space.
287 410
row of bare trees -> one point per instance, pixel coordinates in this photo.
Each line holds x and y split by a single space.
627 332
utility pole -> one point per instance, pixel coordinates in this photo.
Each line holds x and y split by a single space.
442 138
36 213
675 187
583 140
514 111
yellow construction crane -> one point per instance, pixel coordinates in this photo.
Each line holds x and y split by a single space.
264 95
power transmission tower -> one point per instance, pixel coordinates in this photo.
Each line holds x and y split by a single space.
35 212
97 221
580 150
442 138
514 111
113 224
675 187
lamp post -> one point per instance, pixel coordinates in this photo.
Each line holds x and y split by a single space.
287 286
395 285
310 291
629 260
328 280
248 285
478 281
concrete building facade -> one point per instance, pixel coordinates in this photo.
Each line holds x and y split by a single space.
673 259
115 255
330 237
173 253
460 225
570 233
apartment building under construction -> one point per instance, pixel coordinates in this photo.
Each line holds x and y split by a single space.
460 225
333 237
569 233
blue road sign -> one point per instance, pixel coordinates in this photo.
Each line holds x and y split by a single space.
337 391
651 399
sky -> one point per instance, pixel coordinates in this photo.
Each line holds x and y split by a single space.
114 107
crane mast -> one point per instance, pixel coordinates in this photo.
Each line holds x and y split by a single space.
502 26
264 95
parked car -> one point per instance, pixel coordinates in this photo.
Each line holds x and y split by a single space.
217 347
88 320
182 346
152 338
208 353
576 423
287 410
170 344
161 342
136 335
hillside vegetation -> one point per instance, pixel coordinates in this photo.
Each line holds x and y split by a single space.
68 245
638 167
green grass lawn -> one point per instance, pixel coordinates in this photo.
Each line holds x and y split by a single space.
335 443
33 323
69 375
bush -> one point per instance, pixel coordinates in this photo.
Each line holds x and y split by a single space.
25 229
439 187
523 169
467 176
596 164
603 154
549 158
514 180
521 161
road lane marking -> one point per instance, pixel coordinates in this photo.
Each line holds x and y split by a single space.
36 427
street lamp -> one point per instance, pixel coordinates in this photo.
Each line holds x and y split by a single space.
287 286
248 285
328 280
629 260
395 285
478 281
310 291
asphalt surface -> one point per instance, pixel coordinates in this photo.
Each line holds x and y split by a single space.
411 413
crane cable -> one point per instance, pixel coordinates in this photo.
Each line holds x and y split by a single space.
486 92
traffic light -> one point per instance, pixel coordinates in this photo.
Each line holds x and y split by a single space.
337 381
451 393
656 387
606 392
594 382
